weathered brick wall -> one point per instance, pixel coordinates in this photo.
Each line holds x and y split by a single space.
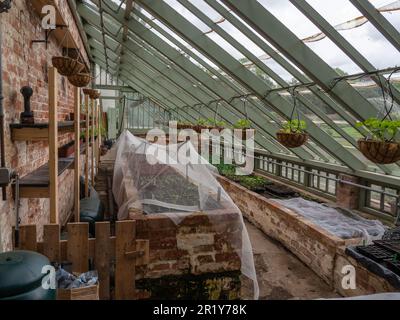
25 64
199 248
318 249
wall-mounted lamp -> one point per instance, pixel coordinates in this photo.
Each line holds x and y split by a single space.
5 5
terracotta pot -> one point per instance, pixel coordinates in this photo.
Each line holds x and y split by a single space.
80 80
380 152
67 66
292 140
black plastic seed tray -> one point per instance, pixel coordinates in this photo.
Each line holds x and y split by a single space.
393 265
375 253
391 245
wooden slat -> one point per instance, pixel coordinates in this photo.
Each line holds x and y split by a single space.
87 146
93 142
77 163
143 247
125 267
78 246
28 238
102 258
53 144
51 242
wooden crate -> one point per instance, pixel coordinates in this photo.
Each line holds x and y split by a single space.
86 293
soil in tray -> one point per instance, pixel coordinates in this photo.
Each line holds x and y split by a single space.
375 253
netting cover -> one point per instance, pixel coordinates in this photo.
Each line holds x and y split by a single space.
344 225
175 181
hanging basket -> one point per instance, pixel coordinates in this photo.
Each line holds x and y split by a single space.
292 140
80 80
95 95
380 152
67 66
244 134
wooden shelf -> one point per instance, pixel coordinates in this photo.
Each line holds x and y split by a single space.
37 183
38 131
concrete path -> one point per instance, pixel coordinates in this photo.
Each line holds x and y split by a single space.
281 275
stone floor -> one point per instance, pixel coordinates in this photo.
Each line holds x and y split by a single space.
280 274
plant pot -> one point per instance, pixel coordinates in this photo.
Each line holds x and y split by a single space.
67 66
292 140
380 152
66 150
244 134
80 80
93 94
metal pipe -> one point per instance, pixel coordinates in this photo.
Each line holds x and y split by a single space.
17 205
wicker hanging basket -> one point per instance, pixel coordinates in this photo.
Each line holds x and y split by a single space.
292 140
67 66
80 80
380 152
95 95
244 134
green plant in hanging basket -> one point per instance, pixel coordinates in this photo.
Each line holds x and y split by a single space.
214 124
242 124
293 134
383 147
242 129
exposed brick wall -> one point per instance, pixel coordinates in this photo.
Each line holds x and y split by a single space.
25 64
198 249
318 249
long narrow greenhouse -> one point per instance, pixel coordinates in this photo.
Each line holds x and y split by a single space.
199 150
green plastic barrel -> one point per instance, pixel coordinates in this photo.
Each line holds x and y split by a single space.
21 276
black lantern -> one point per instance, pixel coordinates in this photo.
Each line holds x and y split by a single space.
5 5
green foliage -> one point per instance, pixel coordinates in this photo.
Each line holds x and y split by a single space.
382 130
215 124
252 182
242 124
295 126
202 122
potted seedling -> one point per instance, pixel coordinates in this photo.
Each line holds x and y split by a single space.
293 134
383 147
243 129
200 125
214 124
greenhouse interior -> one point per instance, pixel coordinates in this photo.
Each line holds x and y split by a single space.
199 150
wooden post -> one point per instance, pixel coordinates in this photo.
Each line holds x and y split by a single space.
102 258
98 138
125 242
87 146
93 142
77 153
78 246
51 242
53 144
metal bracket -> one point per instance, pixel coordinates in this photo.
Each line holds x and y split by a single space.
48 34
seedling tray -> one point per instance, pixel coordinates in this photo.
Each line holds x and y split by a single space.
375 253
391 245
393 265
